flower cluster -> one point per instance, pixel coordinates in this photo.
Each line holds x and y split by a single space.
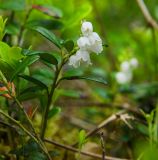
126 74
89 42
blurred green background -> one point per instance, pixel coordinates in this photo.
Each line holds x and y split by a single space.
123 28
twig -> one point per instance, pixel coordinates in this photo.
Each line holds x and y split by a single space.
82 152
23 27
27 132
102 145
147 15
105 122
7 124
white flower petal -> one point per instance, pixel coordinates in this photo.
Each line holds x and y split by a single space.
81 55
96 48
86 28
134 62
123 77
95 43
125 66
94 37
74 61
83 42
84 55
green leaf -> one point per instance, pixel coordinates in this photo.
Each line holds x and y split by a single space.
49 35
49 58
2 27
49 10
45 23
30 93
54 111
82 138
23 64
14 5
34 80
12 29
28 52
99 80
10 55
10 59
36 156
44 75
69 45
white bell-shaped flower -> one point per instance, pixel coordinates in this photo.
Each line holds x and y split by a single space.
134 62
123 77
83 42
89 42
74 61
86 28
125 66
81 55
95 43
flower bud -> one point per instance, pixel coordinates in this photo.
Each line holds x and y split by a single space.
86 28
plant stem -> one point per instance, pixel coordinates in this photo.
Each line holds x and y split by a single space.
23 27
27 132
40 142
50 95
93 155
35 136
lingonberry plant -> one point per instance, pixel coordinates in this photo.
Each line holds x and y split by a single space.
54 100
14 69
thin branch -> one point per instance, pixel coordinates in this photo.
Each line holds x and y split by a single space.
27 132
103 146
7 124
146 14
82 152
105 122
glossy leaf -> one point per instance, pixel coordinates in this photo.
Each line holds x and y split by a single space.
49 10
54 111
45 23
49 58
30 93
28 52
14 5
98 80
12 29
34 80
23 64
49 35
69 45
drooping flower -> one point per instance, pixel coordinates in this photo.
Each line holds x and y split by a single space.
126 71
123 77
134 62
125 66
86 28
83 42
89 42
96 43
81 55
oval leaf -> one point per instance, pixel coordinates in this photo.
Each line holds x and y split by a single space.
99 80
22 65
28 52
49 35
69 45
49 10
54 111
14 5
49 58
34 80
